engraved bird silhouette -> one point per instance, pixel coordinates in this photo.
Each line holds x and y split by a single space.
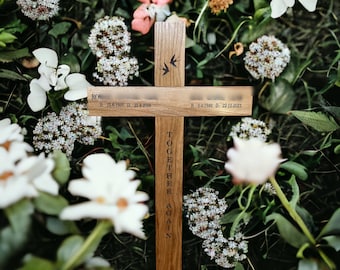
165 69
173 61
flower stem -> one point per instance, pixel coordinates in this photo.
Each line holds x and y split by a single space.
92 240
292 212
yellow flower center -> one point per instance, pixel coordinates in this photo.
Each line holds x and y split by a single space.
5 175
6 145
100 200
122 203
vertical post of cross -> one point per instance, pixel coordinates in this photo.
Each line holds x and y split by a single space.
169 71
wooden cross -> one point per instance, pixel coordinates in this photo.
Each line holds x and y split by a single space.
169 102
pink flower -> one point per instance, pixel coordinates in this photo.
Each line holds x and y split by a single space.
142 22
149 12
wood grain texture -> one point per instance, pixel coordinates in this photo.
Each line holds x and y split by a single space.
169 71
171 101
169 192
169 53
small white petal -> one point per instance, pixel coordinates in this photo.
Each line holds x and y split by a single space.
78 85
62 72
96 167
88 210
310 5
48 76
47 57
19 150
279 7
37 98
44 180
289 3
162 12
9 132
130 220
85 188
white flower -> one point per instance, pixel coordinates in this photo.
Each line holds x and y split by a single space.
158 12
12 140
267 57
23 179
253 161
77 85
112 195
279 7
56 77
39 9
51 73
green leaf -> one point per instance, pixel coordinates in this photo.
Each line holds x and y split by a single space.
199 173
75 251
257 27
239 266
296 192
36 263
13 237
55 98
307 264
333 110
332 227
337 149
230 216
318 120
296 169
124 134
11 75
69 248
6 37
10 243
62 169
281 97
50 204
61 227
306 217
333 241
19 215
59 29
288 231
10 55
260 4
72 61
97 263
294 70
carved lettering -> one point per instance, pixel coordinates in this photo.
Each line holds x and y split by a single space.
169 179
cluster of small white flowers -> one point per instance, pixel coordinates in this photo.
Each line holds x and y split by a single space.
249 128
267 57
60 132
109 40
108 36
226 252
204 210
39 9
268 187
116 70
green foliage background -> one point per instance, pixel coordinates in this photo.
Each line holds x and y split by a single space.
302 104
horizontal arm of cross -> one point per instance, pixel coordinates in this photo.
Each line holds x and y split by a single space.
170 101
